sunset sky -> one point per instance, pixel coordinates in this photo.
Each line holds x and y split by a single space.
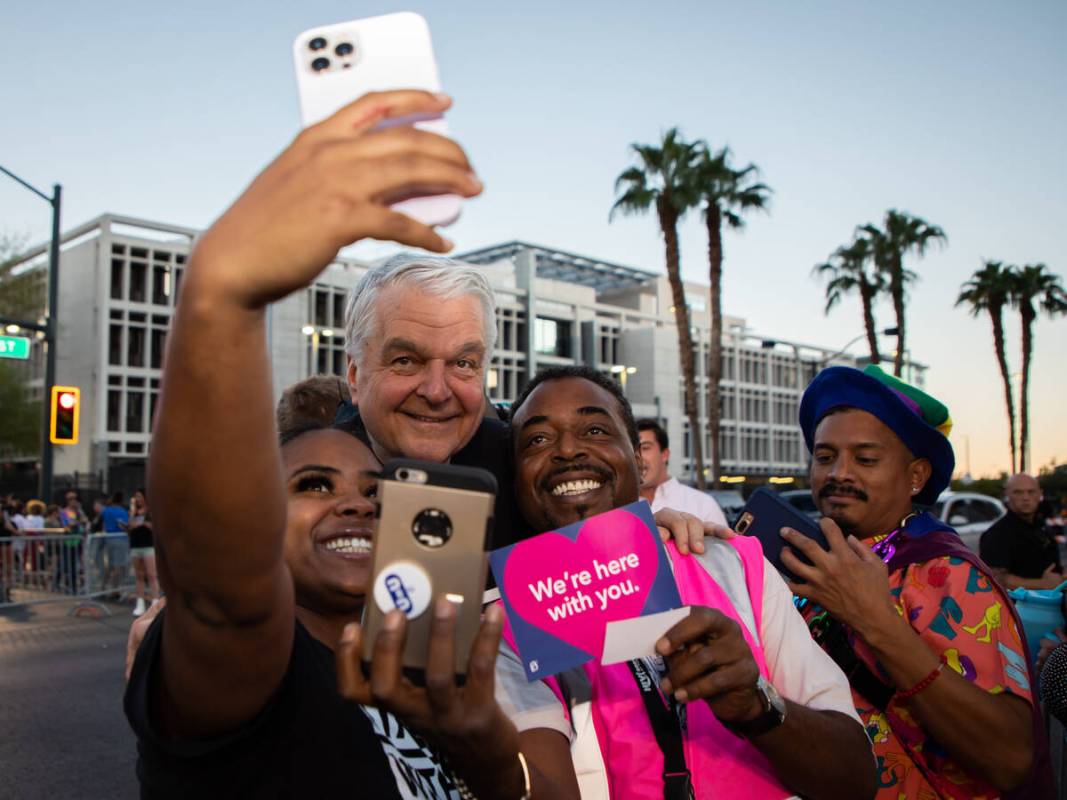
953 111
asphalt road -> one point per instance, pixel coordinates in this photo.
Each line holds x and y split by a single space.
62 730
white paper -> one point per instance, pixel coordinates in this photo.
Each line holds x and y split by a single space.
626 639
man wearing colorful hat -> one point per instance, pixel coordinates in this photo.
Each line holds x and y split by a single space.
931 644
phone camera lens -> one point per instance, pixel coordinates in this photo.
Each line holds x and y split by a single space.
319 64
317 43
432 527
344 49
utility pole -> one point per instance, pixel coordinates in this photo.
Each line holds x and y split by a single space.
44 484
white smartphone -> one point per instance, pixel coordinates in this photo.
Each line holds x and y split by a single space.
335 64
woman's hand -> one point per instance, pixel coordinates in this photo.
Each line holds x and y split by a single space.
331 187
464 723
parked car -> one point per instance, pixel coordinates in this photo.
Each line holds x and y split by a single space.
730 501
802 501
969 513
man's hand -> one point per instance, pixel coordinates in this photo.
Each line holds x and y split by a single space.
848 580
687 530
139 629
331 187
708 659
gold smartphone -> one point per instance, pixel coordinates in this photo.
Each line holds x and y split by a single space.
433 535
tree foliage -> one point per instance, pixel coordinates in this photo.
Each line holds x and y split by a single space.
663 180
901 235
989 290
727 194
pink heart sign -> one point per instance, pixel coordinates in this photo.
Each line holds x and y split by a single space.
571 583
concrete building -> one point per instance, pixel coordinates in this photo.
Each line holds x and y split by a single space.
120 276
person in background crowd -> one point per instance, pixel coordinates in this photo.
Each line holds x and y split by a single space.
142 552
316 398
1020 550
72 519
29 525
7 558
51 517
114 519
932 646
659 488
764 708
232 692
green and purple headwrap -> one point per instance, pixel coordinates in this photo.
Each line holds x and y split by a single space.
920 421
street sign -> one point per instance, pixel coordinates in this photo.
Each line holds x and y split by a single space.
14 347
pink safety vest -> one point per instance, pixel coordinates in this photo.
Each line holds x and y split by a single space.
721 764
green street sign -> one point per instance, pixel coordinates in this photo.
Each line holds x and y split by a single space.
14 347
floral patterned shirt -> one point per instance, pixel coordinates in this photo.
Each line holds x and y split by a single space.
961 615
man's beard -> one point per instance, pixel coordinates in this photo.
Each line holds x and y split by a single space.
830 488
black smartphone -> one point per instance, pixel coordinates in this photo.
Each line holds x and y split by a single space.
433 534
764 516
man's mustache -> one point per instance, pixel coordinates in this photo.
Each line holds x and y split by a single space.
842 489
594 469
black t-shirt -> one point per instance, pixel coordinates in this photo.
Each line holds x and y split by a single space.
490 449
1022 549
307 742
141 536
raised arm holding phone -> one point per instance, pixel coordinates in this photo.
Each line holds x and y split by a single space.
233 688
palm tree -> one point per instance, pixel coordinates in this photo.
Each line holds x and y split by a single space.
1033 284
846 271
726 193
902 234
663 180
989 290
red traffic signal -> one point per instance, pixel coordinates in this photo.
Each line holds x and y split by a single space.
66 402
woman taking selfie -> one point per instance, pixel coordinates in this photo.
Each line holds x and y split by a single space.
233 690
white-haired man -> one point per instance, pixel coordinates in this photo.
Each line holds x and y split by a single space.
419 333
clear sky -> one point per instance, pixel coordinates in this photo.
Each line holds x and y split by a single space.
954 111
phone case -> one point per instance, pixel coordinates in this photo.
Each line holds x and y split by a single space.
765 514
335 64
433 534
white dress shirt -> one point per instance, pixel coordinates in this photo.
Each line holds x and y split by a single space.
672 494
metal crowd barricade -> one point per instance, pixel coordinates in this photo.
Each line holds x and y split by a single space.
53 564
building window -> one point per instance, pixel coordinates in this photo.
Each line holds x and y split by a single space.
159 346
138 279
135 412
160 285
114 410
322 308
552 337
117 265
114 345
135 346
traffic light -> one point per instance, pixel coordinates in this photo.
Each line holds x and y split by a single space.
66 402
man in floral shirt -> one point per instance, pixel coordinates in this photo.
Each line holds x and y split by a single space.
931 644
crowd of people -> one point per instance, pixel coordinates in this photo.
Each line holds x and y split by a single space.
53 548
895 667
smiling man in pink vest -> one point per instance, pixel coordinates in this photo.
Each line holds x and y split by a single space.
740 703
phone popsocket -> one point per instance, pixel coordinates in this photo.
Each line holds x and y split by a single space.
405 586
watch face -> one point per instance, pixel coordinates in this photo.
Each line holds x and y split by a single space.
772 699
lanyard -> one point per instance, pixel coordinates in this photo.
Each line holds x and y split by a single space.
662 714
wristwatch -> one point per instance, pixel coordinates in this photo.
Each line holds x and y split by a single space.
772 716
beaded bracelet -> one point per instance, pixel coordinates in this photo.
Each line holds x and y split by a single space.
914 690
